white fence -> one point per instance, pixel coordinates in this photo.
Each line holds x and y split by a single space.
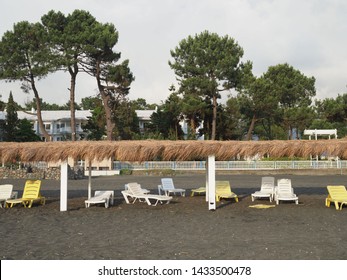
231 165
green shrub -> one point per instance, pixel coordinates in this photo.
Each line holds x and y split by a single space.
126 172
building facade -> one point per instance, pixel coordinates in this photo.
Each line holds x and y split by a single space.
58 123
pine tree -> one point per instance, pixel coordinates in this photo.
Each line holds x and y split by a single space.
11 125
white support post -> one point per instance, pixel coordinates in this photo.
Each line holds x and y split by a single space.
211 171
89 179
206 184
63 185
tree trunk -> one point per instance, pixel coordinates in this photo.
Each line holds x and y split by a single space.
192 132
110 125
290 132
107 102
38 113
73 75
251 128
214 118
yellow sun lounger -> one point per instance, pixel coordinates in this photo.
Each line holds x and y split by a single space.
31 194
200 190
337 194
223 190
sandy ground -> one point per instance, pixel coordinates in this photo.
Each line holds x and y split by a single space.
183 229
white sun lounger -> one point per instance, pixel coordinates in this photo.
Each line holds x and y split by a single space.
5 194
167 186
285 192
105 197
267 189
137 193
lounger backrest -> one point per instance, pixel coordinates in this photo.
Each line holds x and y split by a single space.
31 189
269 181
284 186
6 191
267 188
135 189
223 187
126 186
105 194
337 192
167 184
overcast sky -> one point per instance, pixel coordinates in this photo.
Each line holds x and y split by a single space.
310 35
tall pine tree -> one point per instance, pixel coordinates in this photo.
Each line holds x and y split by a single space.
11 124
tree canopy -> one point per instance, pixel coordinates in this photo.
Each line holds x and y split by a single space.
207 65
25 56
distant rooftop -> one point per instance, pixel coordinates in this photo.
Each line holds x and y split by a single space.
53 115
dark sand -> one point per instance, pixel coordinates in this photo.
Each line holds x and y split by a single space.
183 229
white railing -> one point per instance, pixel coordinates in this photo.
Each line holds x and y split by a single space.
232 165
220 165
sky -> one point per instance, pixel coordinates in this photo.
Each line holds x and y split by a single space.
309 35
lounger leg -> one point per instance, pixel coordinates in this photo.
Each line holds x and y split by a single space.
136 199
337 205
126 198
148 202
327 202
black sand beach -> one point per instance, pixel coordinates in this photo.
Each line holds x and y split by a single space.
183 229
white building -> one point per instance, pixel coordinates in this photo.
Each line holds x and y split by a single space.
144 118
58 123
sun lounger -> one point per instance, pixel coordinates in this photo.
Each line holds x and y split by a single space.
167 186
267 189
128 194
198 191
31 194
336 194
137 193
5 193
104 197
285 192
126 187
223 190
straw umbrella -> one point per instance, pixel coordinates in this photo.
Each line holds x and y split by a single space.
164 150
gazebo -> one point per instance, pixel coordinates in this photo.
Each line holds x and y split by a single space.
164 150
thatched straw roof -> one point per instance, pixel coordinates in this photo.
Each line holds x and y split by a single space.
167 150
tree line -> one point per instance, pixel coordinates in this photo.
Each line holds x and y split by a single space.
277 105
